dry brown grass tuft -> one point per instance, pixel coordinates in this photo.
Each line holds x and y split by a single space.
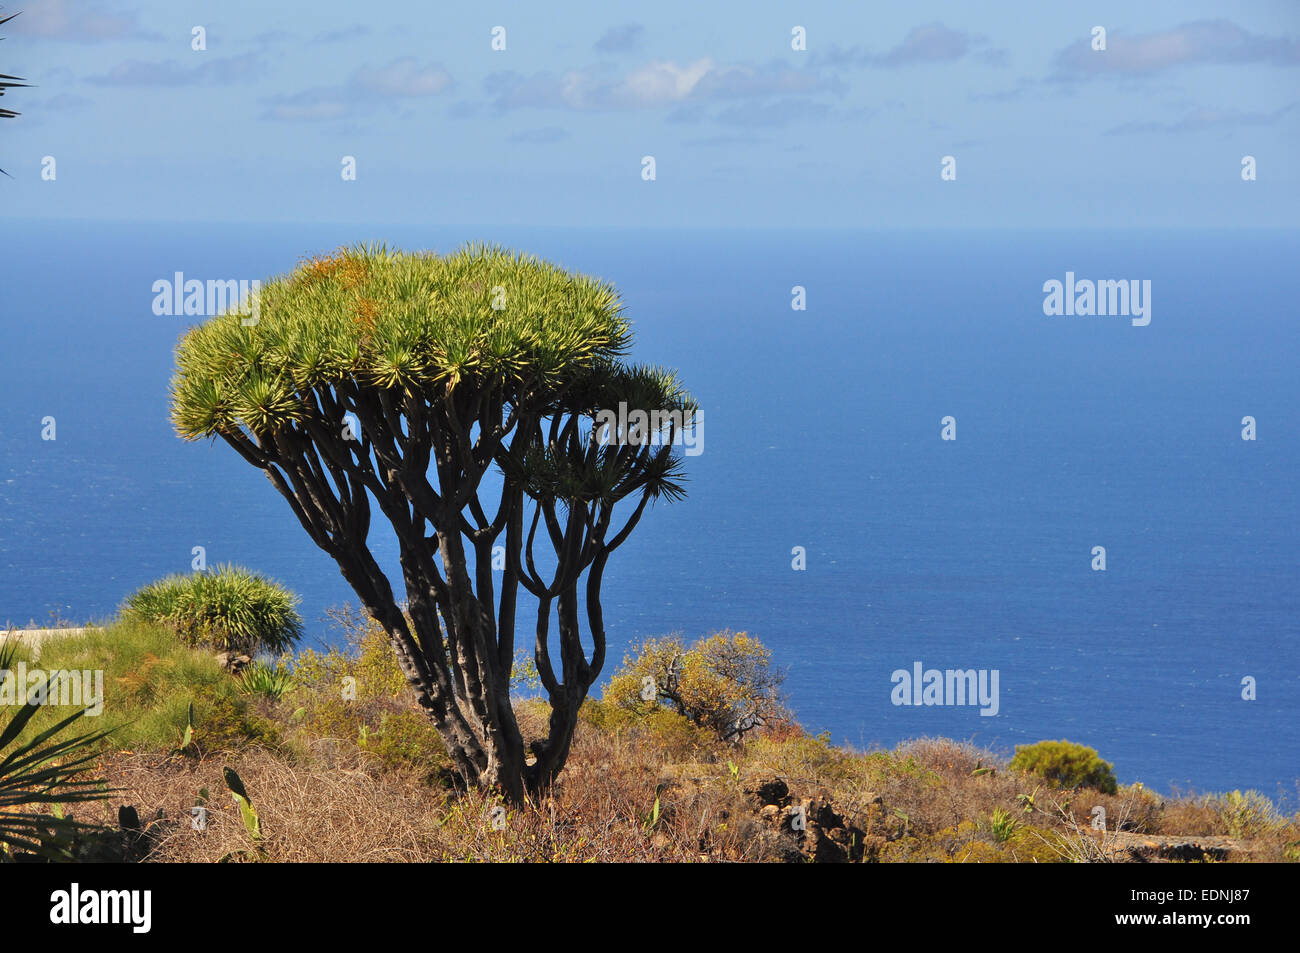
333 809
930 800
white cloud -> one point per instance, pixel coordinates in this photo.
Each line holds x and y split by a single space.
79 22
401 79
663 81
218 71
1190 44
404 77
657 83
930 43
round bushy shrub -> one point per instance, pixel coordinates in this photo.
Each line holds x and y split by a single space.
1247 815
1066 764
724 683
227 608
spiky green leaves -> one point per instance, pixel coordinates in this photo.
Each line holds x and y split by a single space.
610 461
639 387
414 323
8 82
38 769
228 608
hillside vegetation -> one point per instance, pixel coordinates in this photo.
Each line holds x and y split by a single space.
332 761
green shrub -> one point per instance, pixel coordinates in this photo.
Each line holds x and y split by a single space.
228 722
405 738
724 683
967 843
368 661
359 695
229 609
1247 815
674 736
803 756
149 680
1066 764
1002 824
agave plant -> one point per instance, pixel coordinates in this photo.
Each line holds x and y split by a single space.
266 680
43 770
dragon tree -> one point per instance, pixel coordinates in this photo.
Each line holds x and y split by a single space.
456 399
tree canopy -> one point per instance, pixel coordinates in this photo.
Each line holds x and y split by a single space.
448 365
411 321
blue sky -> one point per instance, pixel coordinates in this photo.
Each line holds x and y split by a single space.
745 130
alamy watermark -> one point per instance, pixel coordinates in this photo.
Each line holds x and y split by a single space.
655 428
133 908
76 688
1106 296
178 295
932 686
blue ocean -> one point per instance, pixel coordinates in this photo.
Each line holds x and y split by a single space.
822 430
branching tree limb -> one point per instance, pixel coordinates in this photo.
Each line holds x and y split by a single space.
8 82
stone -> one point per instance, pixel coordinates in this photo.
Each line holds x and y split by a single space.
233 662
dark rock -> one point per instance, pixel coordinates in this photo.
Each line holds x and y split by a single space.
774 791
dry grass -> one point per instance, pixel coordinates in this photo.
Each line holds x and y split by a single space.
331 809
340 806
367 780
929 800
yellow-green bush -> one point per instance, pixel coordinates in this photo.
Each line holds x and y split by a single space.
802 756
1247 815
968 843
1066 764
363 698
725 682
673 736
370 663
149 682
226 721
